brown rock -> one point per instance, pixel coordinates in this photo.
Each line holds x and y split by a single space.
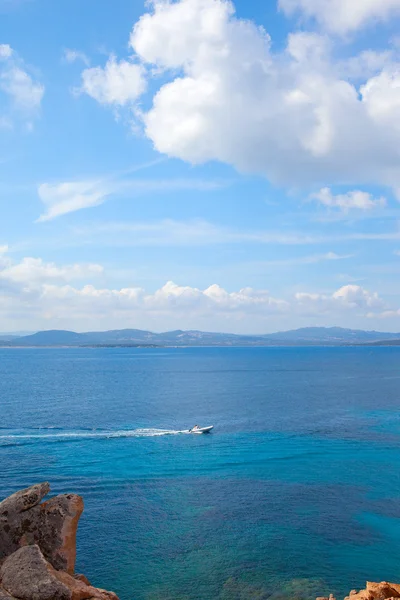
376 591
25 574
38 548
52 525
28 576
81 591
83 578
57 531
396 587
381 591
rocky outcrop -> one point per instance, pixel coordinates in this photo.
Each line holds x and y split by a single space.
38 548
373 591
52 525
376 591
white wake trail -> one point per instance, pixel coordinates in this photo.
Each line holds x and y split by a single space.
71 435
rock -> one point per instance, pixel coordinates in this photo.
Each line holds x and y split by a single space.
23 500
57 531
25 574
4 595
52 525
38 548
81 577
81 591
376 591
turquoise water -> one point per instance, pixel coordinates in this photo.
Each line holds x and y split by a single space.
296 494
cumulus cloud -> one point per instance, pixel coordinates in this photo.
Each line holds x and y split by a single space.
381 95
44 290
296 117
348 297
23 92
354 199
118 83
367 63
290 117
35 270
175 300
343 16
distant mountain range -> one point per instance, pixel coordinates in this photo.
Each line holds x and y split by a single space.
312 336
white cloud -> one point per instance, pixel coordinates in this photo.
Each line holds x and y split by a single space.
5 51
63 198
348 297
355 199
118 83
290 117
354 295
71 56
66 197
381 95
367 63
343 16
25 94
35 270
44 292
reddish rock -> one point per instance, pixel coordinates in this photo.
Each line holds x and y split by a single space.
81 591
376 591
57 532
38 548
81 577
52 525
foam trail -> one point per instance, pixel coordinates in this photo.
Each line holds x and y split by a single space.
77 435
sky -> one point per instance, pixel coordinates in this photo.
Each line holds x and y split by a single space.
199 164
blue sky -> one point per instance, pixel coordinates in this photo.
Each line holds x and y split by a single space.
199 164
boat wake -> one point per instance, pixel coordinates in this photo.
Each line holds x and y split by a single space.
55 435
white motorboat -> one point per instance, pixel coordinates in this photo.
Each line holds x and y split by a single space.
197 429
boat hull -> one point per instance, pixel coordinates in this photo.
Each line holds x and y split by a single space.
202 429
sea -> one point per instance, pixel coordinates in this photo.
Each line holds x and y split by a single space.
296 493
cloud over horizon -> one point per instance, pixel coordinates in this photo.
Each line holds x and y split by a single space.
45 290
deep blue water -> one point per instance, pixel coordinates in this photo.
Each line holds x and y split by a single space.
296 494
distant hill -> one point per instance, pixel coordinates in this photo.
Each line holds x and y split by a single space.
395 342
6 337
13 335
333 335
137 337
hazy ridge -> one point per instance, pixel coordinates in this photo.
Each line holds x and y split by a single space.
138 337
